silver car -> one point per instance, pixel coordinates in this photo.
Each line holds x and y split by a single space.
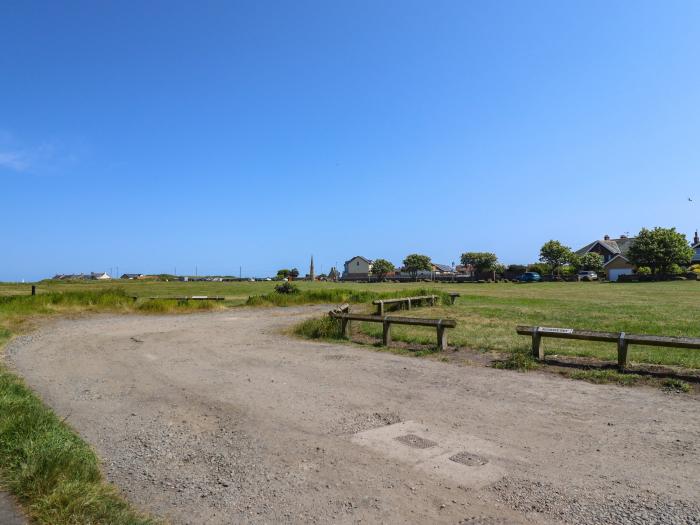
587 275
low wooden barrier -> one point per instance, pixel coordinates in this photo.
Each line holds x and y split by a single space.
407 301
622 339
453 296
387 321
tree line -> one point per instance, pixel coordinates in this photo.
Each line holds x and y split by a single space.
654 251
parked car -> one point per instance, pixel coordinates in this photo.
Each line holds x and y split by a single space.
587 275
530 277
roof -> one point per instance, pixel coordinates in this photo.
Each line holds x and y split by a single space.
368 261
618 256
443 267
614 246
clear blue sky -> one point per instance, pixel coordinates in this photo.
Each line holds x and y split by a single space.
155 135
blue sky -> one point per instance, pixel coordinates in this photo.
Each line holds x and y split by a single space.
161 135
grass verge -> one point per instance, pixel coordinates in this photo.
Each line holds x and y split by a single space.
43 462
46 465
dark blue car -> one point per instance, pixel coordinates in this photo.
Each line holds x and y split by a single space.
530 277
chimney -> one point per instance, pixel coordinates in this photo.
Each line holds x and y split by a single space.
696 239
606 238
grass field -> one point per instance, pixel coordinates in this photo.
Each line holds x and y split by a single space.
487 315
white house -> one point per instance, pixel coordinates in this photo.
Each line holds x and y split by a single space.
100 276
357 268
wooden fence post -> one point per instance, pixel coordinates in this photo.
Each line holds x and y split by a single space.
537 350
380 308
441 338
345 327
33 290
386 333
409 304
622 351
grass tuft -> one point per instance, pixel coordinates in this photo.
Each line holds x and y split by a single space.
606 376
319 328
675 385
520 360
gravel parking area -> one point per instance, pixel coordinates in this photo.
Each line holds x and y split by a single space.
222 418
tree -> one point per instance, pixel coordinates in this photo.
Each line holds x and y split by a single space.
282 274
589 261
293 273
517 268
415 263
381 267
660 249
555 254
480 261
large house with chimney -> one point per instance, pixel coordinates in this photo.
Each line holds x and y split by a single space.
614 253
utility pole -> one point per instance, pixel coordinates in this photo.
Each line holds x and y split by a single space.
196 271
240 273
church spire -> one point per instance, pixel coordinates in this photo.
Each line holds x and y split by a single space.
312 274
696 239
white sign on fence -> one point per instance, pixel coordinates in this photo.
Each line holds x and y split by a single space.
548 330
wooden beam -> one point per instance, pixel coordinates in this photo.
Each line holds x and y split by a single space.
386 333
417 321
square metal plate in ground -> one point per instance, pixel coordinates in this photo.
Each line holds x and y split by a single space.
415 441
470 460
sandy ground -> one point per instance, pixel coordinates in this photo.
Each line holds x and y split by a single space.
221 418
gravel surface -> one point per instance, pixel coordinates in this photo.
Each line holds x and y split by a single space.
9 513
221 418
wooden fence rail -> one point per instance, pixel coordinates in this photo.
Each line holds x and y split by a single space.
622 340
186 298
405 301
387 321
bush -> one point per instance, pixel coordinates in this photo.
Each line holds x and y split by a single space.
286 288
695 268
675 270
643 270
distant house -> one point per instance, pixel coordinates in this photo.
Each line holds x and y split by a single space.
442 269
100 276
463 269
357 268
696 247
70 276
614 253
132 276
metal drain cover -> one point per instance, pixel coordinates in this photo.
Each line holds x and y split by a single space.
415 441
470 460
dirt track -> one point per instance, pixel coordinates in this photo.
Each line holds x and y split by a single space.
219 418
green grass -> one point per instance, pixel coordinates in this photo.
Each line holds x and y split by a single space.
335 295
319 328
675 385
487 315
